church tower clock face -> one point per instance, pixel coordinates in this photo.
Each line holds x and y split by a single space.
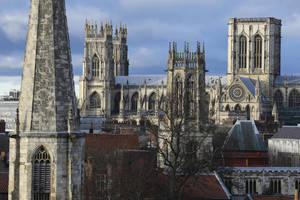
237 93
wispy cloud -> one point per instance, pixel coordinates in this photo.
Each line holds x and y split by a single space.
78 14
8 83
14 25
292 28
14 60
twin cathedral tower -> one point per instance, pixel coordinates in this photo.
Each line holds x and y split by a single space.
246 92
47 147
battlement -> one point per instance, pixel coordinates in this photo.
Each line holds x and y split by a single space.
92 30
186 58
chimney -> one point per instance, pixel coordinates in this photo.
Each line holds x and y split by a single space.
91 128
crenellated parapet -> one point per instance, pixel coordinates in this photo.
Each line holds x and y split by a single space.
186 58
93 30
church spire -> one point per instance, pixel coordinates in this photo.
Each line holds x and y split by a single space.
47 90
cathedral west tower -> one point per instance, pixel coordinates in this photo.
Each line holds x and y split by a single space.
46 150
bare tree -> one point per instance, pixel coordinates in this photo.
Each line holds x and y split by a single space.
184 146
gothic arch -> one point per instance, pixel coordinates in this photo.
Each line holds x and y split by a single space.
41 173
237 108
190 95
243 51
227 108
278 98
247 109
134 101
257 51
151 102
294 99
95 66
178 94
117 100
95 101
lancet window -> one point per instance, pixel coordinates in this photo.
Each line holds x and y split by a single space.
243 52
41 174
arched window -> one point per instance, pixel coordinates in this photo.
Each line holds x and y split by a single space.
243 52
237 108
178 95
257 51
134 100
95 66
117 100
248 112
190 96
227 108
95 101
152 99
41 174
278 98
294 99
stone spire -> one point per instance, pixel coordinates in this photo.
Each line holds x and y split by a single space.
47 90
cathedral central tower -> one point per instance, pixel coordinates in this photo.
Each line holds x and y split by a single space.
46 150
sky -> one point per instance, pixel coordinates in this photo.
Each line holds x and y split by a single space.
151 24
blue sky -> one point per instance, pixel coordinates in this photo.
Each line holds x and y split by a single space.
151 25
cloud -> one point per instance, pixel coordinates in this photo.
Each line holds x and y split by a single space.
15 60
146 4
293 26
8 83
142 59
14 25
78 14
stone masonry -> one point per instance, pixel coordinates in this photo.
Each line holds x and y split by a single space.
47 116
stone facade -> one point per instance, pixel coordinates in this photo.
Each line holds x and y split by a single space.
106 89
46 149
251 88
261 180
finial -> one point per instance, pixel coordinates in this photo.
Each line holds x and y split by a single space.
203 51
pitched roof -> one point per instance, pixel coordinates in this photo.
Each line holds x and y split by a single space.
288 132
290 80
244 136
3 182
206 187
153 80
103 144
249 84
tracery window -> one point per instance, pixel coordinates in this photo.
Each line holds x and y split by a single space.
227 108
275 186
278 98
257 51
190 96
152 99
243 52
178 95
117 100
250 186
134 101
95 66
237 108
294 99
95 101
41 174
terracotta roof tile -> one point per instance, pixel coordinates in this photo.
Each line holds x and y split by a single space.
3 182
205 187
110 143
